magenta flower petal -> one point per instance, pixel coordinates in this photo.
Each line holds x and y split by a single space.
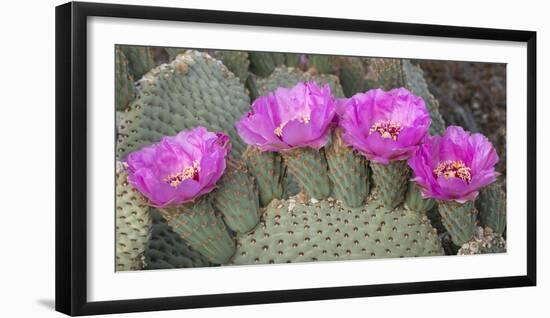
289 118
180 168
455 166
384 126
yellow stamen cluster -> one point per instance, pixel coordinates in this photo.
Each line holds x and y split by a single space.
386 129
454 169
191 172
279 130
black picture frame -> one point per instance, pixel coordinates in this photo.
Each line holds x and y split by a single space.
71 157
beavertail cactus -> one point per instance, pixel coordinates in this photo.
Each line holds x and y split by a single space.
289 76
204 230
414 201
237 199
192 90
133 223
168 250
174 175
326 230
385 127
321 63
391 73
348 172
178 169
294 122
453 169
352 73
216 173
140 59
124 82
269 171
263 63
492 204
236 62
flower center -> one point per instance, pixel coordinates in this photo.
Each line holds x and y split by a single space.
454 169
386 129
191 172
279 130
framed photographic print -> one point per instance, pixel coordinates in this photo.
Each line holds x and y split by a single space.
209 158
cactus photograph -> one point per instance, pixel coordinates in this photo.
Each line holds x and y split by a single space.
228 158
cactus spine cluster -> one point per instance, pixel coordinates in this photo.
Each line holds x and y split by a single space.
347 208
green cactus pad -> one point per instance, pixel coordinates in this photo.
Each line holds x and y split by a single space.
174 51
393 73
199 225
491 204
414 200
124 82
236 61
326 230
290 76
292 59
348 171
193 90
269 171
309 168
167 250
415 82
321 63
352 75
460 220
391 181
133 223
263 63
387 73
237 198
140 59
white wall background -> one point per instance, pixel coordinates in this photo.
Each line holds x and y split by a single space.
27 158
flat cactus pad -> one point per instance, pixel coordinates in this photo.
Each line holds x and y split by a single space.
326 230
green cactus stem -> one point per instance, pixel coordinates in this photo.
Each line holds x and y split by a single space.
352 75
460 220
391 181
309 168
321 63
348 171
204 230
133 223
269 171
124 82
491 204
414 200
237 198
292 59
326 230
140 59
167 249
236 61
263 63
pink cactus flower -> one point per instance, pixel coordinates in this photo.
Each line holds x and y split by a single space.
289 118
454 166
384 126
179 169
